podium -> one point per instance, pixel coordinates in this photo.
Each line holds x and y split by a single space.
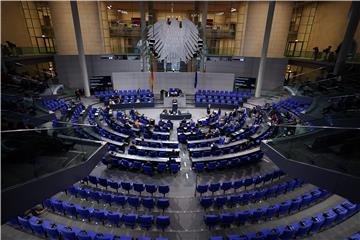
174 105
181 101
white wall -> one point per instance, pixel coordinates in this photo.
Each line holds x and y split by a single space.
166 80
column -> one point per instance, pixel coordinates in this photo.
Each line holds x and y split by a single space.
203 26
264 48
80 47
143 36
354 16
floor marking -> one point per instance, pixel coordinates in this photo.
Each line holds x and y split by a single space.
187 176
185 164
266 160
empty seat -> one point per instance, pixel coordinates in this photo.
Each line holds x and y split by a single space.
162 222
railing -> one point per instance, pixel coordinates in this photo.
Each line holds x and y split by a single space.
321 56
28 51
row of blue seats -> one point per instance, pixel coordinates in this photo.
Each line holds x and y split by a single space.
75 121
121 200
237 184
116 127
209 120
251 196
302 228
222 164
218 101
131 100
56 104
51 230
124 93
134 165
127 186
356 236
223 93
155 136
206 98
222 151
155 144
267 212
103 216
153 153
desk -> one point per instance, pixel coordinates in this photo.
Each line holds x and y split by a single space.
139 147
121 145
141 158
207 140
227 156
181 100
110 130
157 141
219 146
176 116
131 105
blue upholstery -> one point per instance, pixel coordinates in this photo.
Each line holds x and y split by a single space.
151 188
145 221
164 189
148 203
162 203
162 222
138 187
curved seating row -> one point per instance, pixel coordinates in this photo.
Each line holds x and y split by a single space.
127 186
124 93
57 104
116 127
235 161
101 215
121 200
156 136
237 184
356 236
251 196
153 152
264 213
136 165
224 93
302 228
160 144
48 229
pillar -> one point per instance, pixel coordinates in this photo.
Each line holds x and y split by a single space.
264 50
203 27
80 47
354 16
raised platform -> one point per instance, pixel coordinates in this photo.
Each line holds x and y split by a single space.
181 100
218 105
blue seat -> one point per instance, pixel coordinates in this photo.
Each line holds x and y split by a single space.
163 203
103 182
226 186
120 200
113 218
151 188
242 216
161 167
68 233
84 235
272 211
274 234
69 209
37 227
100 236
95 195
164 189
214 187
211 220
206 202
303 227
248 182
258 214
145 221
220 201
107 198
138 187
289 232
226 219
174 168
98 215
129 219
295 204
233 200
199 167
148 170
83 213
148 203
211 166
126 186
93 180
134 202
237 184
341 213
162 222
284 207
202 188
57 205
51 230
330 217
216 238
317 223
114 185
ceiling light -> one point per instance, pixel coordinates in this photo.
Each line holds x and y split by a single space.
219 13
109 7
122 11
233 10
